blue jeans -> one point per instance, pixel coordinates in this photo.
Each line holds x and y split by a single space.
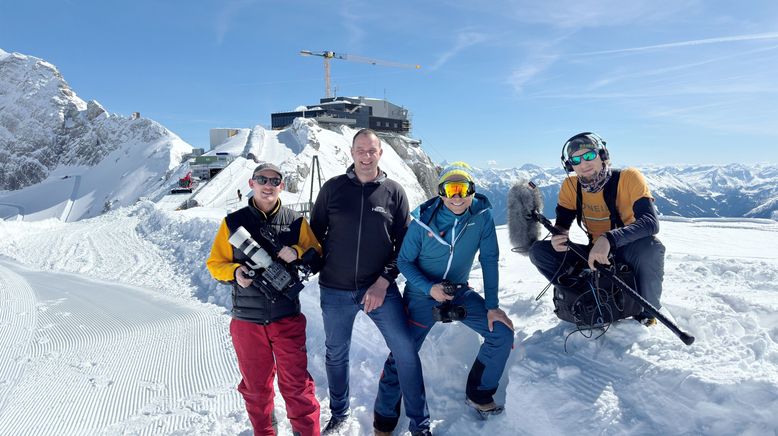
646 257
485 373
339 308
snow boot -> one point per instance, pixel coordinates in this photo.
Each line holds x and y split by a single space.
336 424
484 411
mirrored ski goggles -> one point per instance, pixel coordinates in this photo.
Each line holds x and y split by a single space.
262 180
460 188
589 155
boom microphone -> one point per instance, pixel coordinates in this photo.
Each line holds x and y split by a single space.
523 230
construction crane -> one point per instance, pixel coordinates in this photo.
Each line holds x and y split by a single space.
327 55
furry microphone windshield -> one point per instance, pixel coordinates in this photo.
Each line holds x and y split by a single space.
523 230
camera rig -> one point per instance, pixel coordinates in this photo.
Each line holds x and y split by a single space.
269 276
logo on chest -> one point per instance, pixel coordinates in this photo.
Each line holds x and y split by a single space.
596 208
382 210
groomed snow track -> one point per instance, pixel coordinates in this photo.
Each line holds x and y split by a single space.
77 354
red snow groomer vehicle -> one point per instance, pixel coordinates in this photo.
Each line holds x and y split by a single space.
185 184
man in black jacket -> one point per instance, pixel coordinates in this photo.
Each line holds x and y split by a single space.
267 328
360 218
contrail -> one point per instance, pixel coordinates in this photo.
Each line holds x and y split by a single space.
753 37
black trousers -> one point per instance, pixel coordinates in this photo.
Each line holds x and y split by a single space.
646 257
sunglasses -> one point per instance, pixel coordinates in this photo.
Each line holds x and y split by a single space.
589 155
262 180
460 188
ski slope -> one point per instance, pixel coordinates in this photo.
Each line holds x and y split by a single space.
91 357
152 354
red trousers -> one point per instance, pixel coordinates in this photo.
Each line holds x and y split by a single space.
264 349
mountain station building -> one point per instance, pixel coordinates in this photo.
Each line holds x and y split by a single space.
358 112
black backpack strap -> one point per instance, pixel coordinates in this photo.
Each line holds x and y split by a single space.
579 208
609 192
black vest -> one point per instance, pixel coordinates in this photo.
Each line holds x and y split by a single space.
250 304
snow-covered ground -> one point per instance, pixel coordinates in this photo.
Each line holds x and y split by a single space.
111 325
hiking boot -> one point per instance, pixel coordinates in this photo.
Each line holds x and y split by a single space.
336 424
484 411
378 432
425 432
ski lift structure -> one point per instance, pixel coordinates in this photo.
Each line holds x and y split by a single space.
317 180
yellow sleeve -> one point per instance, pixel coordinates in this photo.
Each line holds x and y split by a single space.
220 262
567 193
306 239
632 187
636 185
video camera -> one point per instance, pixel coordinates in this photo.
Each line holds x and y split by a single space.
447 311
309 263
269 276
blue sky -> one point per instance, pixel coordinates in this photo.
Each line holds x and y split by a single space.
503 82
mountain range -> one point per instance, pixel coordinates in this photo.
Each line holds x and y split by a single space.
692 191
66 158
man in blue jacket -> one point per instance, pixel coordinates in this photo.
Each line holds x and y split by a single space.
437 255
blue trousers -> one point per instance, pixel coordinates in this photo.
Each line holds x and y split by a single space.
485 373
339 308
646 257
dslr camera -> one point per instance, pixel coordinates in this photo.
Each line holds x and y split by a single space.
447 311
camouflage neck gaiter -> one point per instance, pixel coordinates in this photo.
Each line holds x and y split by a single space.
596 183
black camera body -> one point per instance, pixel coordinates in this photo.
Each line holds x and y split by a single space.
447 311
453 288
276 280
309 263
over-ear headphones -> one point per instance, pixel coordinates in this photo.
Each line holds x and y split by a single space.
586 138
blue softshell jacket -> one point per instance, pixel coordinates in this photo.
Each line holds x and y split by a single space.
441 245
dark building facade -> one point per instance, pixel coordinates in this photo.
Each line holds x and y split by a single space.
359 112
